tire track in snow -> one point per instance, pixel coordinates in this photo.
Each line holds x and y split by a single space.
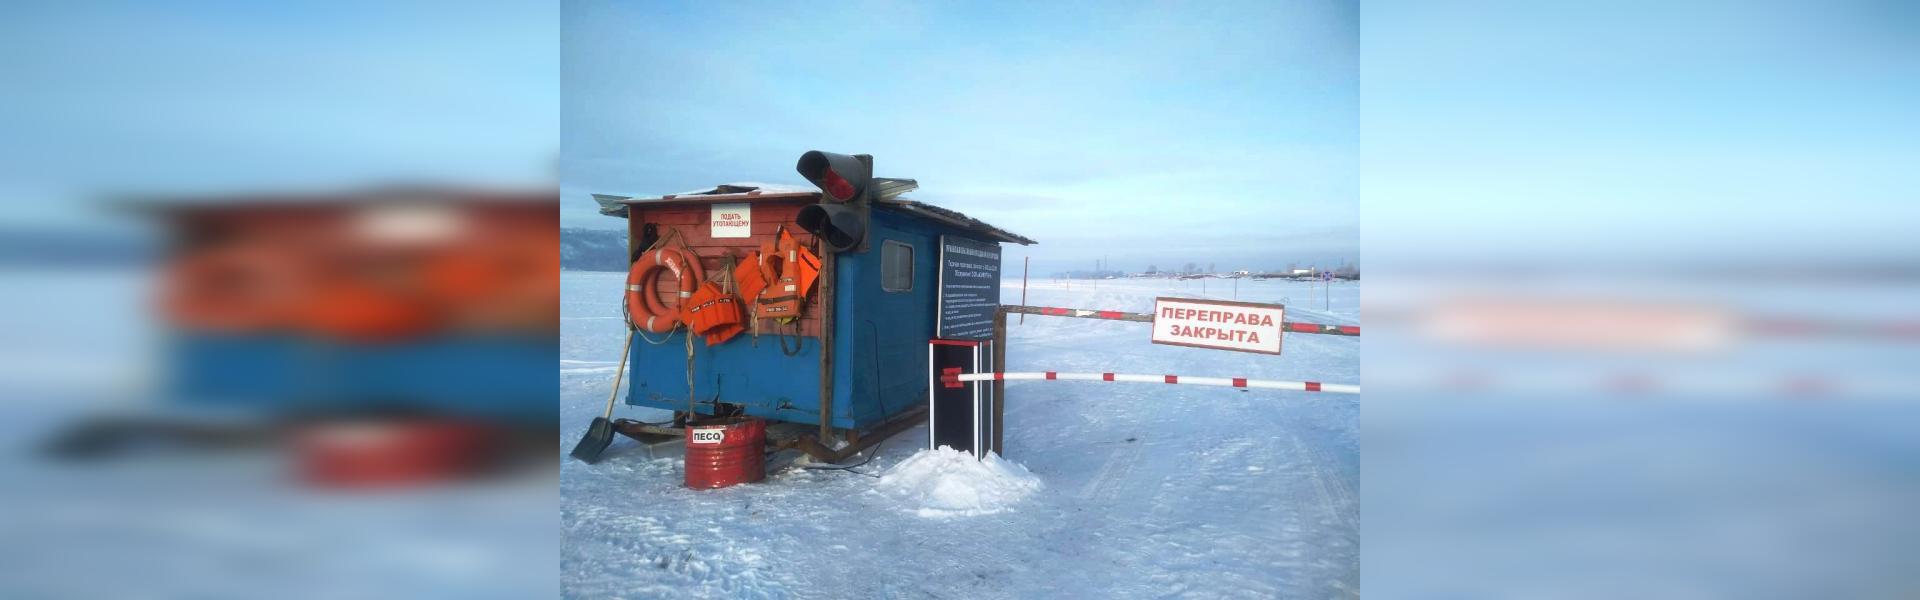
1222 503
1336 494
1239 560
1334 535
1102 488
646 556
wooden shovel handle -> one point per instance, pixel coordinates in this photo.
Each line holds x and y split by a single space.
622 370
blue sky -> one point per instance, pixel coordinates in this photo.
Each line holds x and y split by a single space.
1640 133
223 97
1148 134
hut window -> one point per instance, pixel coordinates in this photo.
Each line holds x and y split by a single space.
896 267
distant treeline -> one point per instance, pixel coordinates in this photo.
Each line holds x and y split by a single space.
593 249
76 248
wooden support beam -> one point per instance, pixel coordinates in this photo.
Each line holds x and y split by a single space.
827 308
999 387
819 451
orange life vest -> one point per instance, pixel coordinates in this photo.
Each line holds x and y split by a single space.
798 270
714 313
721 334
347 308
770 262
809 271
503 285
753 276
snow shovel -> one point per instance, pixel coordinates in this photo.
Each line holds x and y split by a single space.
600 433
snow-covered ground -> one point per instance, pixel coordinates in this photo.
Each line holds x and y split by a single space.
1144 490
164 522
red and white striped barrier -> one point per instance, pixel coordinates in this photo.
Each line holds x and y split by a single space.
1503 318
1239 382
1112 315
1701 383
1320 328
1115 315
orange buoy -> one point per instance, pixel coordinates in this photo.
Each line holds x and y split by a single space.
643 279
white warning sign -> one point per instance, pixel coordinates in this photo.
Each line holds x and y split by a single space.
1238 326
732 221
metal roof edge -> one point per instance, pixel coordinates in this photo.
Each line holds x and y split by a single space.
712 198
888 190
955 219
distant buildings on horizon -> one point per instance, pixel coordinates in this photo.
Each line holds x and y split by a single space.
1194 271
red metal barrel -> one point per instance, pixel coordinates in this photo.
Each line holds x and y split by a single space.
723 452
371 454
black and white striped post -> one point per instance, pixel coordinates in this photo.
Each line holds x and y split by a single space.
960 415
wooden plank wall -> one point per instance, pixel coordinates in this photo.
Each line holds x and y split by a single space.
691 221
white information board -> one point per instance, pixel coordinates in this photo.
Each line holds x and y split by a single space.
1218 324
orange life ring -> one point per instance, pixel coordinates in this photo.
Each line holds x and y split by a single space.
643 279
503 286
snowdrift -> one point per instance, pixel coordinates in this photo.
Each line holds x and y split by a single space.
949 483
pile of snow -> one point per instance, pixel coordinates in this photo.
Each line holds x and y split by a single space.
949 483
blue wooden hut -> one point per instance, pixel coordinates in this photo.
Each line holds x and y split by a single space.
856 358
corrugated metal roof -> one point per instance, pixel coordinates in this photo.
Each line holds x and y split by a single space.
954 218
888 189
611 205
617 205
